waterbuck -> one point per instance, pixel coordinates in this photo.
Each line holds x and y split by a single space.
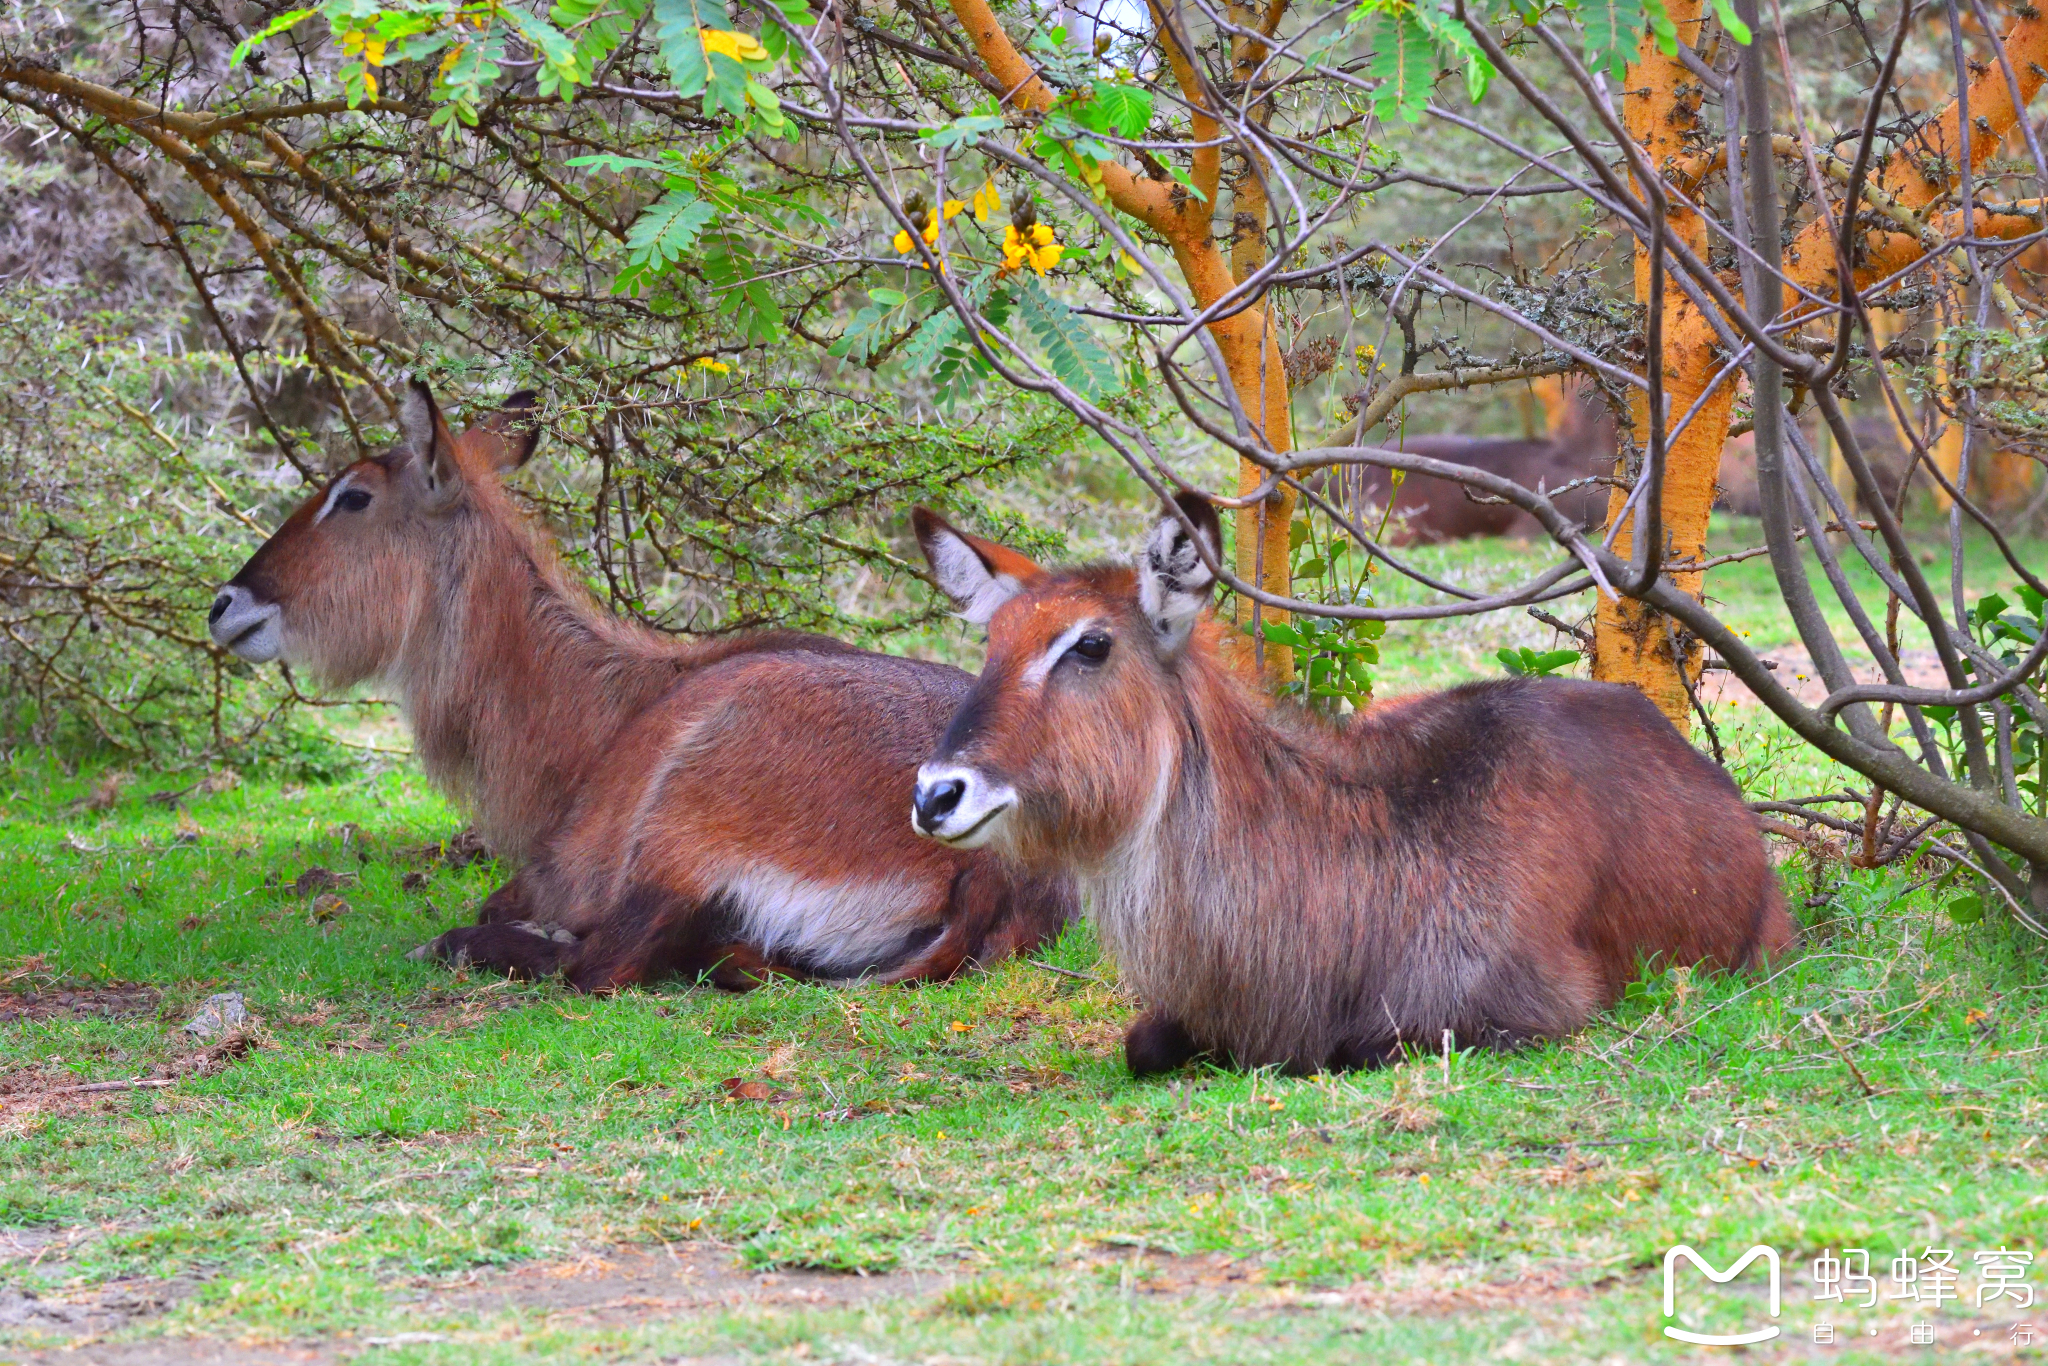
1428 509
727 806
1498 860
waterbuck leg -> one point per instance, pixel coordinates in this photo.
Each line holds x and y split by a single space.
513 901
509 949
1156 1042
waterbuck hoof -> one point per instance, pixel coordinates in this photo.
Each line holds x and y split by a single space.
518 953
1155 1043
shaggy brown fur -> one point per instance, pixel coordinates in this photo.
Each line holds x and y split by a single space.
1498 860
730 807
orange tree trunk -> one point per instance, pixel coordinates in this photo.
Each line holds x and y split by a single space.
1251 350
1631 643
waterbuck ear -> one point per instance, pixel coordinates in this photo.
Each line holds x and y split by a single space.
1173 582
979 575
429 445
505 440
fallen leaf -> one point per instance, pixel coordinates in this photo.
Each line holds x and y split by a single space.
735 1089
106 791
318 879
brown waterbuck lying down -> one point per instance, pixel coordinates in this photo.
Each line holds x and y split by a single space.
731 807
1429 509
1497 860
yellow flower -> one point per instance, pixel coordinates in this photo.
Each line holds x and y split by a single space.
904 246
986 201
931 228
454 55
716 366
741 47
1034 247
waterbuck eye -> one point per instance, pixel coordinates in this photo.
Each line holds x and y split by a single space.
1093 647
352 500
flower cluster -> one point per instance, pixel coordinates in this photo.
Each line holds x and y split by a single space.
1033 246
904 246
1026 242
741 47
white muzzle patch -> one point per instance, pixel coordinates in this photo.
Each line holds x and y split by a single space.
246 628
958 806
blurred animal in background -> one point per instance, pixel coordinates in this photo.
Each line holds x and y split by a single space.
1426 509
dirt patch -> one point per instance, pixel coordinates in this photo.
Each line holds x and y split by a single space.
90 1312
1795 671
623 1285
1427 1290
118 1001
186 1352
47 1091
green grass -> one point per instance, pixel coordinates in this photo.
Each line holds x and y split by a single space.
401 1130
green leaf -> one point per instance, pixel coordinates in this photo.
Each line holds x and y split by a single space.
1282 633
2034 601
1614 30
269 30
1660 24
964 131
1511 660
1731 21
667 228
933 335
1455 38
1311 569
1182 179
1967 909
610 161
1404 60
676 23
561 70
1077 358
1124 110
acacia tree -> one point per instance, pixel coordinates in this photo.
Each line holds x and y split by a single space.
1155 221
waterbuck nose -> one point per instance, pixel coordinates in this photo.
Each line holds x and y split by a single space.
935 801
220 604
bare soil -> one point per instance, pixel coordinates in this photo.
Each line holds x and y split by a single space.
121 1000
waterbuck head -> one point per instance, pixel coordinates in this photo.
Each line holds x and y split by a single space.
335 589
1067 738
